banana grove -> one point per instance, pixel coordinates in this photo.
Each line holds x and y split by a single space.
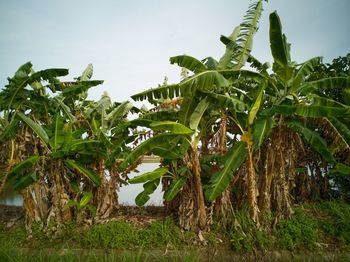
233 133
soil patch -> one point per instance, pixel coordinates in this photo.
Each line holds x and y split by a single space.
10 213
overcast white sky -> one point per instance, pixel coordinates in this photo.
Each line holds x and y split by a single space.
130 42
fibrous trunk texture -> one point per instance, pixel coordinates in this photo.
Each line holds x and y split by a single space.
278 173
106 197
192 213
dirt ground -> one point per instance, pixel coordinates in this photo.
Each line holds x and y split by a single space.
134 213
8 213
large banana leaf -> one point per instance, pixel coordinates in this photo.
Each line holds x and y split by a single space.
187 107
166 91
277 44
65 108
207 81
305 70
342 129
318 111
244 41
164 115
310 111
225 60
16 87
149 188
119 112
279 48
324 84
262 129
23 165
198 113
173 127
243 75
255 107
58 136
174 188
220 180
25 181
88 173
87 74
189 63
226 101
318 100
313 139
10 129
162 143
35 127
48 74
80 87
339 170
157 173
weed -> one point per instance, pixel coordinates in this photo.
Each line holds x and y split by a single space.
334 217
298 232
245 236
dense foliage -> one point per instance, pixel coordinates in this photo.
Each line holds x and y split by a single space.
229 138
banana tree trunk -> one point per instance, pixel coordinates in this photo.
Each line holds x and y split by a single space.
278 173
251 186
192 211
59 195
106 197
223 204
201 211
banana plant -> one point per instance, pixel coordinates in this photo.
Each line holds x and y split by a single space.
106 122
290 105
203 96
43 125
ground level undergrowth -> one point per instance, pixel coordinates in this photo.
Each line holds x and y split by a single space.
316 232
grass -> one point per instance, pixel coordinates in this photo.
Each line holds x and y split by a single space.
312 227
119 234
322 227
94 255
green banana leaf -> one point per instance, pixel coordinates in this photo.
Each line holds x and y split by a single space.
313 139
173 127
339 170
87 73
220 180
189 63
149 188
168 142
88 173
157 173
230 44
342 129
80 87
198 113
25 181
23 165
174 188
306 69
244 40
261 130
35 127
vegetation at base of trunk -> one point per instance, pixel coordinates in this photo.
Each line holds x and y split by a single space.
233 137
319 227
